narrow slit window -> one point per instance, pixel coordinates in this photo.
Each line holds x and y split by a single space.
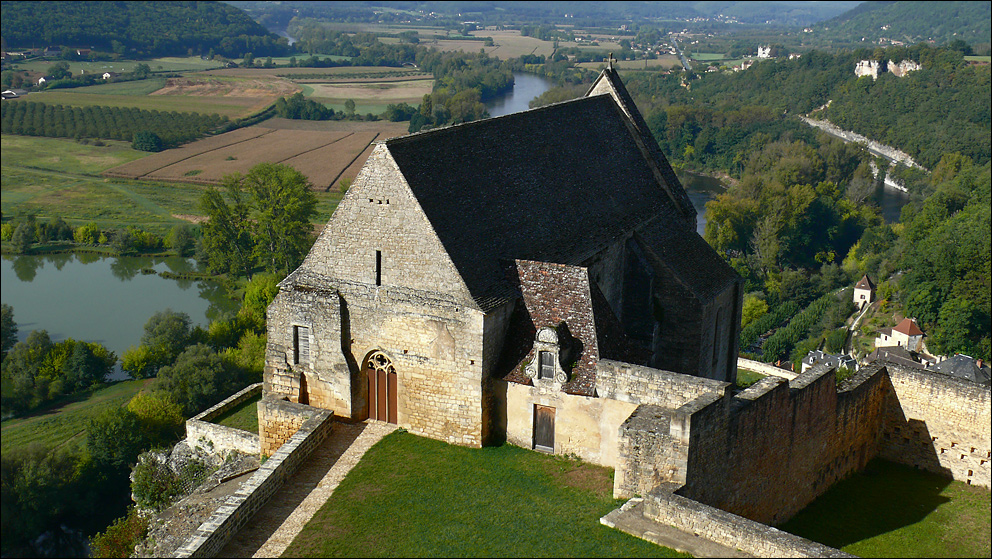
378 267
301 345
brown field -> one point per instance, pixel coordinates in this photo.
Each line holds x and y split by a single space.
268 87
373 91
276 72
324 151
141 167
511 44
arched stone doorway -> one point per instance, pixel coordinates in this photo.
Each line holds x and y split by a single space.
382 387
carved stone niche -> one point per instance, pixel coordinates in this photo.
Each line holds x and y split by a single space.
549 354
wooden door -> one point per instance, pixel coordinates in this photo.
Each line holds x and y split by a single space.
382 392
544 428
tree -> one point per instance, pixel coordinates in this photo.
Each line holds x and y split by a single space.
162 420
8 329
349 107
146 140
180 239
167 331
23 237
197 379
266 222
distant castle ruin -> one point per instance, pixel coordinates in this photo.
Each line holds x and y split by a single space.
874 67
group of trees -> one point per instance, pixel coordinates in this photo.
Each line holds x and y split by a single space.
30 118
140 28
24 234
258 220
77 489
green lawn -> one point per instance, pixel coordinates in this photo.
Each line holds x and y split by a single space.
66 422
57 176
244 416
415 497
137 87
890 510
746 378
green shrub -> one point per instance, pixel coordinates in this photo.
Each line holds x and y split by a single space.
146 140
121 537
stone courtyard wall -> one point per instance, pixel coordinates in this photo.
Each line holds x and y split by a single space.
645 385
201 432
939 423
279 420
730 529
239 508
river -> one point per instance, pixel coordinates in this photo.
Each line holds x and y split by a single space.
103 299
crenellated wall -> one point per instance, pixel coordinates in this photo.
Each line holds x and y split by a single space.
768 451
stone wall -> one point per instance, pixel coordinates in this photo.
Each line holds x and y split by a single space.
584 426
764 368
279 420
645 385
939 423
324 380
201 432
730 529
224 524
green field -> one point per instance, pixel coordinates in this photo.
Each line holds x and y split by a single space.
244 416
233 107
890 510
59 177
66 423
707 56
137 87
167 64
415 497
746 378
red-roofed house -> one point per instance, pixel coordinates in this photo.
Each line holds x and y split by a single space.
905 334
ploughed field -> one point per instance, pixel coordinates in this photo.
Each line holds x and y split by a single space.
324 152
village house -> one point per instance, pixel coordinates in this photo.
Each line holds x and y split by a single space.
864 292
906 334
817 357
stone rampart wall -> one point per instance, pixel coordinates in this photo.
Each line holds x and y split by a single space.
278 421
939 423
214 534
730 529
764 368
201 432
644 385
769 451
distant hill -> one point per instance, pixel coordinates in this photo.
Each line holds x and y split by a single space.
138 28
912 22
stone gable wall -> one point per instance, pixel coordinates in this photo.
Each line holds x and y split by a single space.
380 213
939 423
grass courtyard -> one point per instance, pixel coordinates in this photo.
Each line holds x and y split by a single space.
890 510
415 497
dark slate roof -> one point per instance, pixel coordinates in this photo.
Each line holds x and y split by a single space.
566 298
690 259
963 366
552 184
865 283
673 186
894 354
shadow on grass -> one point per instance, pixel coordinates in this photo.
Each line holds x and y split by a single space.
883 497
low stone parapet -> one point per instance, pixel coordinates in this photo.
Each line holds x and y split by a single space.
731 530
220 438
239 508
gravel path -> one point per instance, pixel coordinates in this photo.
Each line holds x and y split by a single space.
273 528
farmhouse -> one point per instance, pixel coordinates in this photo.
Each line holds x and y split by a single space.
906 334
864 292
536 278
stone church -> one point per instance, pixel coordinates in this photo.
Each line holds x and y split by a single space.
509 279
